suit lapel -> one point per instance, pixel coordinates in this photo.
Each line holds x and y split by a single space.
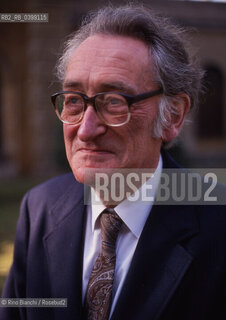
159 262
158 265
64 251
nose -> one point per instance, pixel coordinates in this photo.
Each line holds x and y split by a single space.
91 126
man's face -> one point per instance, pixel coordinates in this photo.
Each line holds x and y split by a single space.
104 63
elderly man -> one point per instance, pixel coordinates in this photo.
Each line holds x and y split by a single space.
128 83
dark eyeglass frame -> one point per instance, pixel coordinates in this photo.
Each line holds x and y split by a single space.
130 99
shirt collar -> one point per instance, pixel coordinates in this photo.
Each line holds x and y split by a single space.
133 213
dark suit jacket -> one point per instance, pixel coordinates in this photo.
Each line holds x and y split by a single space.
178 271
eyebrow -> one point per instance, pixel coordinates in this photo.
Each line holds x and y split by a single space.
119 86
105 86
72 84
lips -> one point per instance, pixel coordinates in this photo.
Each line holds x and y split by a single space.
93 151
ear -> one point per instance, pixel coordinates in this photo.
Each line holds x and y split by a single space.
181 106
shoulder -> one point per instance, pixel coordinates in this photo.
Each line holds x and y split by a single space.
57 183
48 203
51 191
212 219
206 198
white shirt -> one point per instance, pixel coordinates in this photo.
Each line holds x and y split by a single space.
134 216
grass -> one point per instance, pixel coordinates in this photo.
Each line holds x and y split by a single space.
11 193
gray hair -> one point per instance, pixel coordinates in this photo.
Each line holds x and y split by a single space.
175 69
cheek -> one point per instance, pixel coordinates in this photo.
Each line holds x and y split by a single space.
69 135
139 127
143 119
145 110
68 131
141 134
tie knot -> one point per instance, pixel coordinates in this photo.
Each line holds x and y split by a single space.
110 224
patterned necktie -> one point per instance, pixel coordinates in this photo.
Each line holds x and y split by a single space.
99 289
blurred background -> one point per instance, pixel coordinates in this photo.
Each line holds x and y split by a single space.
31 143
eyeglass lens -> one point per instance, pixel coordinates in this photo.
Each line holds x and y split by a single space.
112 108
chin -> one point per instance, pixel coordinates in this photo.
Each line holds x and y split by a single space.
79 174
85 175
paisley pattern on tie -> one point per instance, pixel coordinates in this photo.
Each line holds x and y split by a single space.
99 289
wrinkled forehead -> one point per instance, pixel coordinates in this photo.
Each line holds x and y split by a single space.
110 56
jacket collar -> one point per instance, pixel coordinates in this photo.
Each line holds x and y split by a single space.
160 260
159 263
158 266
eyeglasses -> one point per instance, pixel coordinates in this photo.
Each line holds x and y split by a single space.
112 108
